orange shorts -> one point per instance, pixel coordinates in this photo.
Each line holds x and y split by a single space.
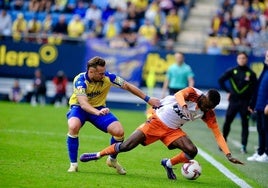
154 129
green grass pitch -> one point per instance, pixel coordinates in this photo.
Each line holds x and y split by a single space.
33 153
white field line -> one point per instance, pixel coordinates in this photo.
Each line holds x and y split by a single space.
205 155
223 169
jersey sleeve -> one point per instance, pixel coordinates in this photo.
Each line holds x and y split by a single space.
116 80
80 86
184 94
210 119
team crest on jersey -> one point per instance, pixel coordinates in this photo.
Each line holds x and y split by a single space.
79 90
119 81
247 76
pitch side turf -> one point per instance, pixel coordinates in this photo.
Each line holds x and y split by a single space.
33 154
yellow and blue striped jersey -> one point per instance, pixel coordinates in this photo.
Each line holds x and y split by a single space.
96 92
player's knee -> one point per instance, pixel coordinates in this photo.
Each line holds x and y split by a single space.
192 152
116 131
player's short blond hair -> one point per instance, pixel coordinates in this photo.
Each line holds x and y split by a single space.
96 61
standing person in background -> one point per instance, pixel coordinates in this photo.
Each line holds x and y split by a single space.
15 94
243 82
178 76
259 103
88 104
60 82
39 88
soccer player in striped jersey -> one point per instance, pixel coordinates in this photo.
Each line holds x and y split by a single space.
165 124
88 103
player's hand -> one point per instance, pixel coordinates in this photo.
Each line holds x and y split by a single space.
233 160
186 112
104 111
154 102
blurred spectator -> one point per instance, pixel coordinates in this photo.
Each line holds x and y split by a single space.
75 27
93 13
252 38
47 27
227 5
80 9
128 33
238 9
119 16
45 5
60 82
39 88
167 32
147 33
59 6
155 15
255 22
258 6
70 6
47 24
110 28
34 28
134 17
34 5
59 30
166 6
61 26
141 6
97 29
227 25
214 49
174 20
114 4
244 21
15 94
19 27
215 25
6 24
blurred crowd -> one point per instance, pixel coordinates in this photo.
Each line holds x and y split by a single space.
123 23
239 25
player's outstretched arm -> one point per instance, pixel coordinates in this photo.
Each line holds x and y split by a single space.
233 160
153 101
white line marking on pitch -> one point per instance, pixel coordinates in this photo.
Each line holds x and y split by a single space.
223 169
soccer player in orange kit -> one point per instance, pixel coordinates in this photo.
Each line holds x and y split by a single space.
165 125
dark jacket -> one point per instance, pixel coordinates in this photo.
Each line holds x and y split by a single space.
243 82
262 95
254 97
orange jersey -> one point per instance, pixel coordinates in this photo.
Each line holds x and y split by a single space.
171 115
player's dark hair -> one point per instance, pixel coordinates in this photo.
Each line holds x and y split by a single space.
244 53
214 97
96 61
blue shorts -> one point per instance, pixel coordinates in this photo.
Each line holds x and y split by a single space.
101 122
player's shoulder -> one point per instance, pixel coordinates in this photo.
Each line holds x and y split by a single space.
110 76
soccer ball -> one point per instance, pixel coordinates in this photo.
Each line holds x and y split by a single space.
191 170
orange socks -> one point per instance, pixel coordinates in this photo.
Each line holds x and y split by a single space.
180 158
110 150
